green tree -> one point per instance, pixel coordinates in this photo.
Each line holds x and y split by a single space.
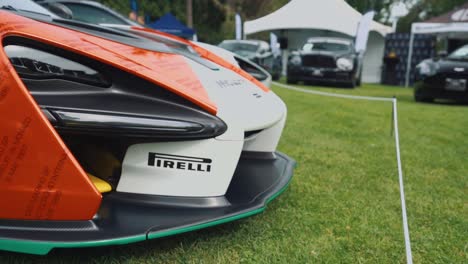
208 20
208 16
381 7
214 19
426 9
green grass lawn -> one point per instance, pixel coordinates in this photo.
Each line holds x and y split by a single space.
343 205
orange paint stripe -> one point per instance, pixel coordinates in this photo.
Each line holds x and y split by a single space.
169 71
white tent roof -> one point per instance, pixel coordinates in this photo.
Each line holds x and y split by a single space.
334 15
437 28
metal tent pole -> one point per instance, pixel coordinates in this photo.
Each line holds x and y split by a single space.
410 56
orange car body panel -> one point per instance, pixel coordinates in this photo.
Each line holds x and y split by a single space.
170 71
39 177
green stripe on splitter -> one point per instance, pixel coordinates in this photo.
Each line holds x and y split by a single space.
42 248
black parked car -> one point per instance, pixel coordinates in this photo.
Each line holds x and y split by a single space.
444 77
257 51
326 60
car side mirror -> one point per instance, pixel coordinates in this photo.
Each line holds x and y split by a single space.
60 10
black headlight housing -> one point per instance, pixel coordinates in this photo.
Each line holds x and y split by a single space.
83 96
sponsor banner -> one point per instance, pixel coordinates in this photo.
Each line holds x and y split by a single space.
363 31
238 27
275 47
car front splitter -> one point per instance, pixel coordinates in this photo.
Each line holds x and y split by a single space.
124 219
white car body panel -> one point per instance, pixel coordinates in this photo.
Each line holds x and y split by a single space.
190 179
231 57
259 111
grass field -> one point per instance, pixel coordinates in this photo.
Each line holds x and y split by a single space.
343 205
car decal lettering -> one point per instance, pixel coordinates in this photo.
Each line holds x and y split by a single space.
169 161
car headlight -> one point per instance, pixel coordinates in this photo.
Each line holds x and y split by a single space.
427 69
295 60
35 64
48 70
345 64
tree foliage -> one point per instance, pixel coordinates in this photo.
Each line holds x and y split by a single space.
209 17
214 19
381 7
426 9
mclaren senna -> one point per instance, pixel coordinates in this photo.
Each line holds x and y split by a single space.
112 137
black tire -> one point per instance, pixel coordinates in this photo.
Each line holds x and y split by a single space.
359 80
352 84
423 99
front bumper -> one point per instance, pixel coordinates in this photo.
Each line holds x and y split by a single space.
319 75
434 88
128 218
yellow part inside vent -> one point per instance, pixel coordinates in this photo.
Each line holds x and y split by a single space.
101 185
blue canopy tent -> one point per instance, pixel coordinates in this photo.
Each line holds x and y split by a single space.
169 24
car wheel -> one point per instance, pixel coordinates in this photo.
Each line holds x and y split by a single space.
352 84
358 83
423 99
275 77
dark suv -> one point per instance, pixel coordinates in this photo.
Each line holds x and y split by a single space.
326 60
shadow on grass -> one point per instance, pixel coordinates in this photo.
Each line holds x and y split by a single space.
326 85
360 91
401 93
442 102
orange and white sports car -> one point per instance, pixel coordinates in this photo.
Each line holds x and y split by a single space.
112 136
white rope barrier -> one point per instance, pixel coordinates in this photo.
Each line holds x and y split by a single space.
409 256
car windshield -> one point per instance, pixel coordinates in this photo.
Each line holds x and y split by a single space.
27 6
165 44
461 53
325 46
94 15
236 47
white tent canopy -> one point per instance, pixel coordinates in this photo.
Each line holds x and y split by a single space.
301 19
332 15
